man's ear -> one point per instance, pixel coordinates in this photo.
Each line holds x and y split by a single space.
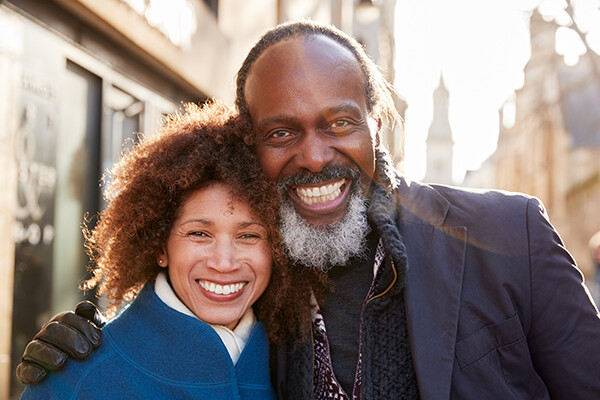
378 132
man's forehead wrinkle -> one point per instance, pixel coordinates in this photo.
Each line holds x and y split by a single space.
348 107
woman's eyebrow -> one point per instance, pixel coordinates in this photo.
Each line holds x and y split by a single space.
250 223
200 220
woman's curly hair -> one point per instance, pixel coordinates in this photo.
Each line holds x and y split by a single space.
146 190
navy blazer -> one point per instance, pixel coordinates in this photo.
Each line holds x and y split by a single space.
496 307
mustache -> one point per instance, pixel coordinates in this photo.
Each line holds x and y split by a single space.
330 172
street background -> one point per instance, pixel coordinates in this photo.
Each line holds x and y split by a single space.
494 94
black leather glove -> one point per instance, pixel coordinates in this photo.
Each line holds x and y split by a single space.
68 334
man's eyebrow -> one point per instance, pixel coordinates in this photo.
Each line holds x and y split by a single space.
276 119
342 108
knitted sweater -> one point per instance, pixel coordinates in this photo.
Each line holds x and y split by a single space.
387 369
154 352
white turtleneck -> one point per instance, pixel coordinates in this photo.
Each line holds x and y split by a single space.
234 340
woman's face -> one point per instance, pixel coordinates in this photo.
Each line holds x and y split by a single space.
218 256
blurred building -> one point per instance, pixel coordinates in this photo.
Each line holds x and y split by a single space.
553 149
78 78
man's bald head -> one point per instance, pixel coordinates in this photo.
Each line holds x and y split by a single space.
378 91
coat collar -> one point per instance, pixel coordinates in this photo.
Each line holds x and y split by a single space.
395 194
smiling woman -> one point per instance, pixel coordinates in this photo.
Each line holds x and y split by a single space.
218 256
190 234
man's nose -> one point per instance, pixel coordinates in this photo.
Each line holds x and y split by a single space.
315 152
222 257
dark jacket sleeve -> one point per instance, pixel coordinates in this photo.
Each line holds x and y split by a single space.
564 339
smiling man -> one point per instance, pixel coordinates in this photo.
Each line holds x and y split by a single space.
437 292
316 103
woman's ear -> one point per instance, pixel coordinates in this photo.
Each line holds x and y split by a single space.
162 259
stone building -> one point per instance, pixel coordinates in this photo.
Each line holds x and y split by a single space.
553 149
78 78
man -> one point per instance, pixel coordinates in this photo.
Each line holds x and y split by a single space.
438 292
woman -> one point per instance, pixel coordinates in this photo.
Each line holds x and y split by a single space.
190 235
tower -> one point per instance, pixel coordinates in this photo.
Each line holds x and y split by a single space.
439 140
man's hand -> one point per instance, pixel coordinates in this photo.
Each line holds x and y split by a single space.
66 335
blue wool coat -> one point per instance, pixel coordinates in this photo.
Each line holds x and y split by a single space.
154 352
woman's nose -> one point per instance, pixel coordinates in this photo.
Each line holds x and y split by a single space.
223 258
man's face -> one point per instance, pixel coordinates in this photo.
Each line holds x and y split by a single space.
308 106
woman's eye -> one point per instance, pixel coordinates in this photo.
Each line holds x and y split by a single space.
250 236
197 234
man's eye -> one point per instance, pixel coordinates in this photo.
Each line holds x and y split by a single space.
340 123
279 134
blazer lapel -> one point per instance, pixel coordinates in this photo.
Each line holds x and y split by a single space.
435 260
432 295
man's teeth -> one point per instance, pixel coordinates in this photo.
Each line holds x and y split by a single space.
320 194
221 289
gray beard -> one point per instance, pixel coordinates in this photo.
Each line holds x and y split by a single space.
323 247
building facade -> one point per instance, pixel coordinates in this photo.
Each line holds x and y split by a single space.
553 149
79 79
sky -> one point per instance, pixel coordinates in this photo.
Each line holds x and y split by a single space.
480 47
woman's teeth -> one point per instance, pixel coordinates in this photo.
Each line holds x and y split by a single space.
221 289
